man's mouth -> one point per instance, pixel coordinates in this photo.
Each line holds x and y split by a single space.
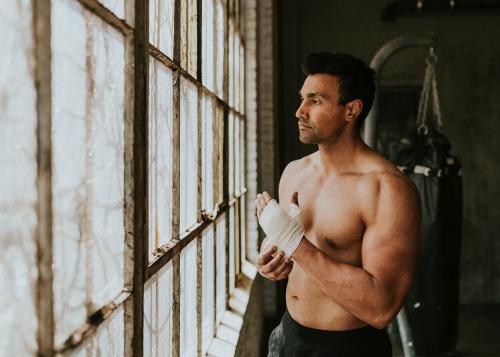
303 126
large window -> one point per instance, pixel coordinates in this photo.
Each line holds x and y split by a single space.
122 193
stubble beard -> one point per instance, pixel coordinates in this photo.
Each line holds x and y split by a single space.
310 136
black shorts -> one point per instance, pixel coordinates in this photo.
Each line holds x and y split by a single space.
291 339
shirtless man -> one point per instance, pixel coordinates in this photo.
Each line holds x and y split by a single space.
346 229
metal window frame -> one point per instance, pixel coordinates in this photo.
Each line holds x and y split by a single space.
138 270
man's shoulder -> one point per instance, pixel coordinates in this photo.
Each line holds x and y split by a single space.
299 165
294 169
382 189
382 178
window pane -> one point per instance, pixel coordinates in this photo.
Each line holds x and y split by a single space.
231 140
219 160
189 154
18 196
242 78
242 153
160 155
208 43
232 249
220 48
208 152
161 25
243 229
237 157
116 6
231 63
88 152
107 341
188 328
158 314
208 288
189 16
220 273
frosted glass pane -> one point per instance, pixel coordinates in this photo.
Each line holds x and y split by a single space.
231 64
243 230
161 25
231 140
237 156
188 328
189 154
158 314
208 288
189 26
108 340
116 6
208 152
208 43
88 154
237 73
232 250
18 196
242 153
220 154
220 267
242 78
220 48
160 155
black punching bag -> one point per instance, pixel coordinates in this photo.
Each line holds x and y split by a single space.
433 303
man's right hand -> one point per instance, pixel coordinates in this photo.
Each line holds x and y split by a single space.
273 265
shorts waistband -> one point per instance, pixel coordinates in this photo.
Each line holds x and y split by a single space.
295 328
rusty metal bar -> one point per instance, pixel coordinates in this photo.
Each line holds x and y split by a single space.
140 152
93 322
42 70
176 274
129 182
167 252
107 16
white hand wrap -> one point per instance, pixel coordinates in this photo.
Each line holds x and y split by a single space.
284 230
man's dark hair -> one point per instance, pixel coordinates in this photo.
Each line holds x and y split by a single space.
356 79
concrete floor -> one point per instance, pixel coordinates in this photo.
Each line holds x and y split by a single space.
479 332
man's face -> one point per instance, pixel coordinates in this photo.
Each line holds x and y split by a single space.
320 117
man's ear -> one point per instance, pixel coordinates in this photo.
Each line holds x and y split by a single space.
353 109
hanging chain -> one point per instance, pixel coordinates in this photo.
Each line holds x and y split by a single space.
429 85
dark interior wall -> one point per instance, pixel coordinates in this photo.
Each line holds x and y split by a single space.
469 82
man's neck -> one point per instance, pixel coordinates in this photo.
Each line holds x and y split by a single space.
338 156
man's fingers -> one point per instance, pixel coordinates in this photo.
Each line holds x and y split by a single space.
281 269
286 272
266 197
274 263
266 255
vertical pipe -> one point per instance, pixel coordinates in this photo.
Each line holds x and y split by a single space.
405 333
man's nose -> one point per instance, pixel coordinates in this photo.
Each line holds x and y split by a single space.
300 113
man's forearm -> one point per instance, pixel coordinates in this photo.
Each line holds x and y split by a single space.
351 287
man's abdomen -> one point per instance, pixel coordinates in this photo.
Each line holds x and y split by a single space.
309 306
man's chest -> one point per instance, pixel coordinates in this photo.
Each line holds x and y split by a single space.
331 212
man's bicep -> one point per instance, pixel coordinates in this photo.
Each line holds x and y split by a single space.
391 240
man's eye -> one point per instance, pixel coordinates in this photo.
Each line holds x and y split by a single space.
315 101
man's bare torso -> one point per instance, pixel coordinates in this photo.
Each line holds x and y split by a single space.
334 209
